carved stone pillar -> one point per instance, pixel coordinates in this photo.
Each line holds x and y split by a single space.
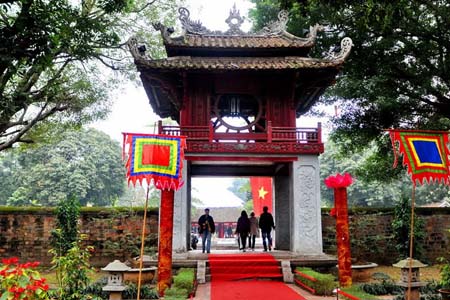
181 214
282 212
306 228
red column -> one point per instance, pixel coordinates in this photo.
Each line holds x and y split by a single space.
165 241
339 184
343 237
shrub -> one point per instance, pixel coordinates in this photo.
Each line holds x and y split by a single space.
385 287
324 284
96 289
174 293
147 292
401 227
356 291
72 271
21 281
66 232
184 279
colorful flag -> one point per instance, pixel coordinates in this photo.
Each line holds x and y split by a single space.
154 158
425 153
261 193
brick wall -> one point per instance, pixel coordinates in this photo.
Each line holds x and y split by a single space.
115 234
373 230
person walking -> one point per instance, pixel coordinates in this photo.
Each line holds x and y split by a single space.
243 228
254 230
266 224
206 229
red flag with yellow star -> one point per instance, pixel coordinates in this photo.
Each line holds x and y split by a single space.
261 193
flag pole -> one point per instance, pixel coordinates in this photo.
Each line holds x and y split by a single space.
141 257
411 241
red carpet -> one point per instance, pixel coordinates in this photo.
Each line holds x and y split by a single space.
234 277
226 267
252 289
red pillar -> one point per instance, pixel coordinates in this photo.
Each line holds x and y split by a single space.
165 241
339 184
343 237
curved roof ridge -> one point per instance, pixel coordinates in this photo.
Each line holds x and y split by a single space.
196 35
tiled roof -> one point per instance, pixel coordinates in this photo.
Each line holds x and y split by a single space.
246 41
237 63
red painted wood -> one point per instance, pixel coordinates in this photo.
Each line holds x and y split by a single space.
305 276
240 158
348 295
310 289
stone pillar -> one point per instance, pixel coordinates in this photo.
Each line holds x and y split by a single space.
306 228
181 215
282 212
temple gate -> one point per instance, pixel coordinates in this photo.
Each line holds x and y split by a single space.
237 96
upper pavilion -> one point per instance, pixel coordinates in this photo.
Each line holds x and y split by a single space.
265 78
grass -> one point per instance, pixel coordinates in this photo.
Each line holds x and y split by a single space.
50 276
426 274
355 291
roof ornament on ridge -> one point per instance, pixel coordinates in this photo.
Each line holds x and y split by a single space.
234 21
189 25
278 26
344 50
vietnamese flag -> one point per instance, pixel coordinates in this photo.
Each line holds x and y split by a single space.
261 193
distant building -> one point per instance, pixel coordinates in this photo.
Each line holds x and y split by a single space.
225 219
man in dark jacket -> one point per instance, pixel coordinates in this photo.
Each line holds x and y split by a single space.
206 228
266 224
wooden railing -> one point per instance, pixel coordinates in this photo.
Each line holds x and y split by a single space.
272 134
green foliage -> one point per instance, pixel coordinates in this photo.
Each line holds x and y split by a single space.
241 188
174 293
384 287
84 163
183 285
66 233
96 288
356 291
401 226
427 292
147 292
72 271
363 237
396 74
372 192
324 285
21 281
128 243
445 273
52 54
184 279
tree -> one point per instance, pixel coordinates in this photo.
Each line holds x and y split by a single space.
57 58
241 188
86 164
374 193
396 75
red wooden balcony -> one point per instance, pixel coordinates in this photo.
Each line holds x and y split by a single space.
275 140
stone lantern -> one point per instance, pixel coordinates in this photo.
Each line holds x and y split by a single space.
415 265
115 285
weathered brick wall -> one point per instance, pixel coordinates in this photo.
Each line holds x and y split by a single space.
116 234
375 236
